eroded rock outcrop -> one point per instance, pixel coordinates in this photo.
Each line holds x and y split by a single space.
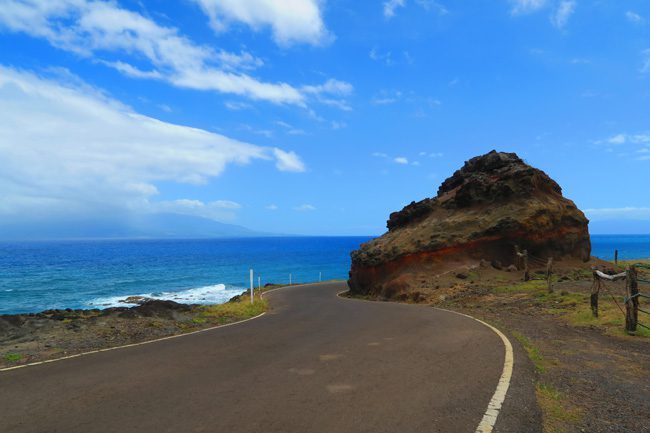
494 202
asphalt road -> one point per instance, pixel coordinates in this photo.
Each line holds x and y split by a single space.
315 363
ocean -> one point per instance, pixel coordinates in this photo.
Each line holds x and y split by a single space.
36 276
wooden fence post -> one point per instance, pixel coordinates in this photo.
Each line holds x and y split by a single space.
549 273
517 258
526 270
631 300
595 289
616 257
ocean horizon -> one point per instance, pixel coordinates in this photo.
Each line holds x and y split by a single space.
41 275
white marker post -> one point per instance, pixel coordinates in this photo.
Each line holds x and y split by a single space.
320 277
259 283
289 279
252 293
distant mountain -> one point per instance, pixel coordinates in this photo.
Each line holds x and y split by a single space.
153 226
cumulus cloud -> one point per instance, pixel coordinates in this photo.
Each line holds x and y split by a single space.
401 160
95 28
67 147
291 22
564 11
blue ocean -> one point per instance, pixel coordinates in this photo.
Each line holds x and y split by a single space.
98 274
36 276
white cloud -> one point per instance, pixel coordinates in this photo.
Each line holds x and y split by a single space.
242 61
289 129
67 147
634 17
336 88
617 139
263 132
646 61
391 5
628 138
379 155
288 161
386 97
305 208
633 213
237 106
433 5
272 207
401 160
216 210
432 154
526 6
564 11
291 22
95 28
378 56
383 101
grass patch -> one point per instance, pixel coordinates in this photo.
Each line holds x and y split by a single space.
13 357
610 318
532 351
231 311
558 415
522 287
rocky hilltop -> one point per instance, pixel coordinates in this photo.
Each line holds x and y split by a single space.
492 204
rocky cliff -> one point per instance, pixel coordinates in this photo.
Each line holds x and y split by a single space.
492 204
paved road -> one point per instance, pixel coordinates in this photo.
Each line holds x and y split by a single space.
315 363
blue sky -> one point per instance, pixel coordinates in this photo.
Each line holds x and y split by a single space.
316 117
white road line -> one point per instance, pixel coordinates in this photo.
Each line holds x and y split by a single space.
494 407
31 364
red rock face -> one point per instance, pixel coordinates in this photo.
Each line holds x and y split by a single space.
492 204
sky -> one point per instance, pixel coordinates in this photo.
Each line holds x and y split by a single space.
316 117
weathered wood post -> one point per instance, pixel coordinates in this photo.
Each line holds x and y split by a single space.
616 257
631 300
595 290
549 273
526 270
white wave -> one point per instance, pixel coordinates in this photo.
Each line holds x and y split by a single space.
215 294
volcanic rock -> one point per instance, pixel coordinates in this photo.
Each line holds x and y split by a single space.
493 204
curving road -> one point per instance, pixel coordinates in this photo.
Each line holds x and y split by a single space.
314 363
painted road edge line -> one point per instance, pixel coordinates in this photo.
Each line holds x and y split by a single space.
142 343
494 406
